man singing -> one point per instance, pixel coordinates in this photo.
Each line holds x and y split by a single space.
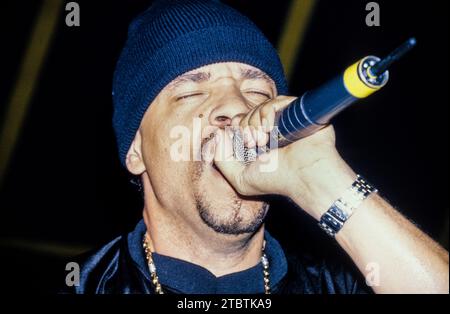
199 62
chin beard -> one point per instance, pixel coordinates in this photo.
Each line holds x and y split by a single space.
233 218
236 223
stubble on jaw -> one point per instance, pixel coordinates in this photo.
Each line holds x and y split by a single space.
234 223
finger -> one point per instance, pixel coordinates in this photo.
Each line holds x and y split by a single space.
224 159
245 120
262 138
255 118
249 136
223 146
267 115
255 122
208 150
236 120
282 102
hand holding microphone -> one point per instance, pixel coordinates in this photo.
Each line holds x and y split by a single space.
296 170
310 171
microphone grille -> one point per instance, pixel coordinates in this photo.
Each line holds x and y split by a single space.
241 153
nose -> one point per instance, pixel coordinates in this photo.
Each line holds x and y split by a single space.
229 104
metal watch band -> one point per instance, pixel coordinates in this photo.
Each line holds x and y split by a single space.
341 210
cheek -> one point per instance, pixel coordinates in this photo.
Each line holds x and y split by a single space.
167 144
167 155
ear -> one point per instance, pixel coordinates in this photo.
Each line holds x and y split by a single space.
134 161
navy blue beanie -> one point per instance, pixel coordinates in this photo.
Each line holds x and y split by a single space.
176 36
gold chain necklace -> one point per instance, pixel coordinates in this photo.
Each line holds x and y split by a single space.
155 279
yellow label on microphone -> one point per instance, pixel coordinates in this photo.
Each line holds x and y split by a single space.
354 84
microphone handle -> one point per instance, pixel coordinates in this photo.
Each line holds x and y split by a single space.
314 110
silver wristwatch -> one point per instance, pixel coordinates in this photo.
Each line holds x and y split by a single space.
341 210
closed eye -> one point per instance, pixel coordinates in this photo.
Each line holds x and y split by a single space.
188 96
259 93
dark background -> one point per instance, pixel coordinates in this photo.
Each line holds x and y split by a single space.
65 191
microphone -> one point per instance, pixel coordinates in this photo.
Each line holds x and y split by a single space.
314 109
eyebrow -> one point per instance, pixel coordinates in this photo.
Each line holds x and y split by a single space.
198 77
252 74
